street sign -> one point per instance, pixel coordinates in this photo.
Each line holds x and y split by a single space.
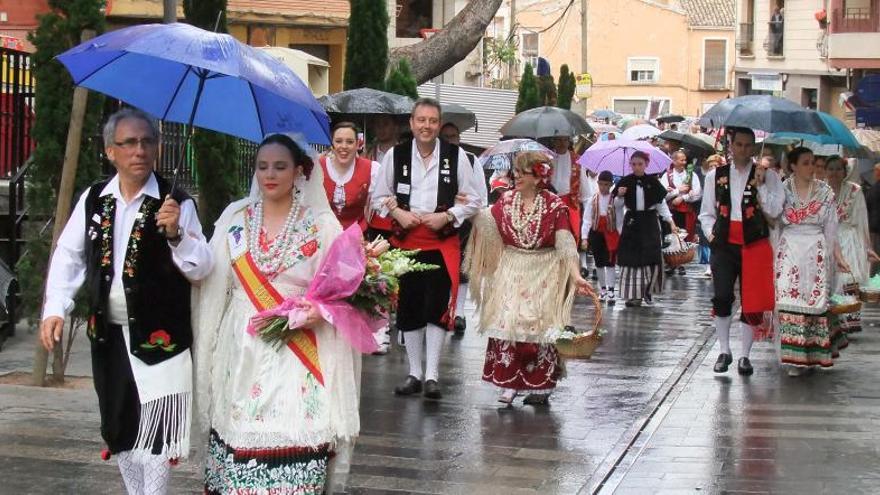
584 87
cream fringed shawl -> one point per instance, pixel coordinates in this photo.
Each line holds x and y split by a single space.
522 295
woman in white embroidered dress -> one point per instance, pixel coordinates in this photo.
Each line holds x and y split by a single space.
853 236
275 416
804 253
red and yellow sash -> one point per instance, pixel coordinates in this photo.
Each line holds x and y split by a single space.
263 295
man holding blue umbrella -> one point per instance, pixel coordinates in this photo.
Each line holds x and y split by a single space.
137 244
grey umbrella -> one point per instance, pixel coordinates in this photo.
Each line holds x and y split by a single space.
688 141
670 119
459 116
544 122
366 101
763 112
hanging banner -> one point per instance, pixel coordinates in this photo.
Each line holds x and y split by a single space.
584 87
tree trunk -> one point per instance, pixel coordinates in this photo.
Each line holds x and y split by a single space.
440 52
169 11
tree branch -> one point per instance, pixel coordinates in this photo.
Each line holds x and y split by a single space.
437 54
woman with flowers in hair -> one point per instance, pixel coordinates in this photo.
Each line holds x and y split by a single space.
523 266
639 253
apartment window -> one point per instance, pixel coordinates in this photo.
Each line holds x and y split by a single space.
640 106
810 98
715 64
644 70
413 16
530 43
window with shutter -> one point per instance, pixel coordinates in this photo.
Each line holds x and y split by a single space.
643 70
714 64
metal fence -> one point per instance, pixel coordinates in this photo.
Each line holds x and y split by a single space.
16 110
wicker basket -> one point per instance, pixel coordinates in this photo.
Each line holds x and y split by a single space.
679 252
841 309
869 297
583 345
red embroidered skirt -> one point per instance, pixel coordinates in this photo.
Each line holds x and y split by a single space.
521 365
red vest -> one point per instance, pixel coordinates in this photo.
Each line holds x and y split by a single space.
356 193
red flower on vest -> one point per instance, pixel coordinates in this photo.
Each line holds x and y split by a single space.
161 339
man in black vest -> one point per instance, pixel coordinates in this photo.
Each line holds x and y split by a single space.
424 176
738 200
136 244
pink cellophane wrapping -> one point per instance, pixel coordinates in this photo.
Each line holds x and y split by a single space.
338 277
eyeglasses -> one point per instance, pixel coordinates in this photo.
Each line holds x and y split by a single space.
132 143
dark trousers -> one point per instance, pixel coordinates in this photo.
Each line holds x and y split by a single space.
118 398
726 262
424 296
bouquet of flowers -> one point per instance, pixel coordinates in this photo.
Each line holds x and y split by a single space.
351 290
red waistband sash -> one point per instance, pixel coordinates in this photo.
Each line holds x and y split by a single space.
612 236
263 295
574 213
425 239
690 218
756 281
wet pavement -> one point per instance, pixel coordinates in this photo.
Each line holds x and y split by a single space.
645 415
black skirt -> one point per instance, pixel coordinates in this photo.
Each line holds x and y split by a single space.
640 241
599 248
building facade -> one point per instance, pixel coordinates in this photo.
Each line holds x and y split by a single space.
782 49
17 19
854 46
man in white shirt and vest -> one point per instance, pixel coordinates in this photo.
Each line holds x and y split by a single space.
424 176
137 244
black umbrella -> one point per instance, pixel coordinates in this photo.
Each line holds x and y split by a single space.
544 122
459 116
688 141
670 119
763 112
365 101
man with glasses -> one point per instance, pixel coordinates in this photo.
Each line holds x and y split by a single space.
137 244
424 176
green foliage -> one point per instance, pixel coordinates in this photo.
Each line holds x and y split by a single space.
528 91
58 30
566 88
215 153
401 81
546 91
499 52
367 45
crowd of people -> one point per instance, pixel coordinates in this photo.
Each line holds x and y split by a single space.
162 297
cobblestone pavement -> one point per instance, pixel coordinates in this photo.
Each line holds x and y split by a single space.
646 414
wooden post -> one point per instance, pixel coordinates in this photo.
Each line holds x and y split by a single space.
169 11
62 212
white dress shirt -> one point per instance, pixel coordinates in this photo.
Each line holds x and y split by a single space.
561 179
604 202
67 271
771 194
679 178
424 182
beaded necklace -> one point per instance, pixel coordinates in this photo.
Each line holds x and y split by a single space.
268 262
526 227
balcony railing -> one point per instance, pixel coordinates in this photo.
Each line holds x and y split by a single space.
745 39
855 20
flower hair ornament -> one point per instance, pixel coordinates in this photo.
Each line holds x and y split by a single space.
541 170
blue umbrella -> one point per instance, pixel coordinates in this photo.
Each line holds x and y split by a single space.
838 133
180 73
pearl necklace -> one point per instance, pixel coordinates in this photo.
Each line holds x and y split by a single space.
268 262
526 226
800 203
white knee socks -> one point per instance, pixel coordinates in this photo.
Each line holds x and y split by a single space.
147 475
610 277
722 327
435 338
414 342
600 272
748 335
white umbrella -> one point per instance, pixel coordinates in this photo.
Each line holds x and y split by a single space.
641 131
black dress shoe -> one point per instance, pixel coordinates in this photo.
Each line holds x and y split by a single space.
459 326
537 399
432 390
723 362
411 385
681 270
744 366
595 275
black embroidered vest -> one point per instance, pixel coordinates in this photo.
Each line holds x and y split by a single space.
157 295
754 225
447 180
